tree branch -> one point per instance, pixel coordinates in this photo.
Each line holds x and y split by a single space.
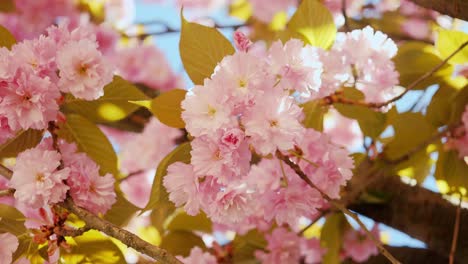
453 8
411 255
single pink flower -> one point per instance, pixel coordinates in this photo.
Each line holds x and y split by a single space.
197 256
182 186
283 247
358 246
8 245
312 251
241 41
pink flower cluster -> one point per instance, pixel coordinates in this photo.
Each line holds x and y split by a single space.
197 256
287 247
42 176
35 72
8 245
155 74
246 107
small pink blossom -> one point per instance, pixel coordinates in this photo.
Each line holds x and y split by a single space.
8 245
265 10
5 130
283 247
83 70
197 256
241 41
37 180
182 186
312 251
358 246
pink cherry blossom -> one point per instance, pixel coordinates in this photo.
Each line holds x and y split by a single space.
182 185
8 245
29 101
265 10
5 130
358 246
312 251
342 130
37 180
83 70
152 145
274 124
197 256
207 109
241 41
137 188
283 247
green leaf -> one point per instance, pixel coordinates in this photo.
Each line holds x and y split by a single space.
201 49
114 105
459 103
314 113
7 40
122 211
415 59
452 169
93 247
183 221
181 242
23 140
331 238
315 23
11 220
166 107
411 129
246 245
90 140
161 214
450 40
158 192
440 109
372 123
7 6
417 167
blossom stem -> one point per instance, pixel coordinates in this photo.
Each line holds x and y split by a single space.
94 222
338 205
7 192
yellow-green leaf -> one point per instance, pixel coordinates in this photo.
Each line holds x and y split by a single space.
450 40
7 40
459 103
93 247
122 211
114 105
181 242
372 123
331 238
90 140
452 169
7 6
166 107
440 108
241 9
158 192
22 140
201 49
11 220
314 113
246 245
161 213
183 221
315 23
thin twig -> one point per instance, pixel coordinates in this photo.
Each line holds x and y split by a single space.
94 222
456 230
131 174
338 205
313 222
7 192
345 16
72 232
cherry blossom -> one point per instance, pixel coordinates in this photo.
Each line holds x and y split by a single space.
358 246
9 243
283 247
182 185
197 256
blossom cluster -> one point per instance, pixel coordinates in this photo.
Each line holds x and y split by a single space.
43 176
35 72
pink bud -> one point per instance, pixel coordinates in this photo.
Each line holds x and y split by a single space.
241 41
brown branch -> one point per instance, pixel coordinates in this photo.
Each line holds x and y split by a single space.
7 192
338 205
94 222
411 255
456 230
453 8
71 232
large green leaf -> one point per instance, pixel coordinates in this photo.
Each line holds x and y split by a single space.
22 141
90 140
166 107
372 123
411 129
158 192
440 109
315 23
314 113
161 213
7 40
331 238
181 242
93 247
450 40
201 49
415 59
122 211
11 220
452 169
114 105
183 221
459 103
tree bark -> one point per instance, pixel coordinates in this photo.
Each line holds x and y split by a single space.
453 8
418 212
